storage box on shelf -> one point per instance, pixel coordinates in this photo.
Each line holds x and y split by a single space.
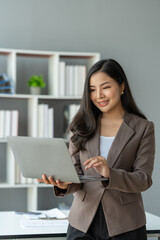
64 74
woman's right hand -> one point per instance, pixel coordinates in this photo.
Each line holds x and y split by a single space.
57 183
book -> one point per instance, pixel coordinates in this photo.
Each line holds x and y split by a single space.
7 124
50 122
40 120
45 121
69 87
5 82
6 85
3 77
45 116
76 81
82 78
14 122
62 78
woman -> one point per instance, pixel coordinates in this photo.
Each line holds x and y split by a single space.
110 138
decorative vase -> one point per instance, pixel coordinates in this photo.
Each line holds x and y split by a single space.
35 90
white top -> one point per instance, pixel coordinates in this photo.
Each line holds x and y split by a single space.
105 144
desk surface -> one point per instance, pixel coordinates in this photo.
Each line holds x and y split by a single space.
11 228
153 223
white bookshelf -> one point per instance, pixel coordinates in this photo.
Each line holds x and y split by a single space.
27 104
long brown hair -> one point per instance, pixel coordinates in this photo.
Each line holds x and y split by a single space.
84 124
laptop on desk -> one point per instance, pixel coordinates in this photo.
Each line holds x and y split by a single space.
36 156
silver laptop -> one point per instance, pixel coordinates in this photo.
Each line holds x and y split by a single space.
50 156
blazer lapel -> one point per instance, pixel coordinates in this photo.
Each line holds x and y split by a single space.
123 135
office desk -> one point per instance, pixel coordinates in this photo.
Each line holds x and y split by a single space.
153 225
11 229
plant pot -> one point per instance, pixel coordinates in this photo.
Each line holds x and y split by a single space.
35 90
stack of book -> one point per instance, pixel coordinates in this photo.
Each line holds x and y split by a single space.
6 85
71 79
8 123
45 121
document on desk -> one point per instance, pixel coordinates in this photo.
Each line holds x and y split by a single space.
48 218
43 223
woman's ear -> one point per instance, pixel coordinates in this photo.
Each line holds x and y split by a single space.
122 87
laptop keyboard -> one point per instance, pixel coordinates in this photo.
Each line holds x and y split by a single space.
86 178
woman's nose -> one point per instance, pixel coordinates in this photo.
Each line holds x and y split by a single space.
99 93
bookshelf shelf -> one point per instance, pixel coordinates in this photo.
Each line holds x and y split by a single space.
36 185
28 96
19 65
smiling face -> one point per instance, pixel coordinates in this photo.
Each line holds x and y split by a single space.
105 93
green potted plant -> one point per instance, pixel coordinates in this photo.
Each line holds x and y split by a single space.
35 83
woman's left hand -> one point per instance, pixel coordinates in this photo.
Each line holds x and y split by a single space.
99 164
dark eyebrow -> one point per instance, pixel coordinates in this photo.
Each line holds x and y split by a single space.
100 85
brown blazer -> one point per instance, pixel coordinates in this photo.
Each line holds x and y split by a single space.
130 159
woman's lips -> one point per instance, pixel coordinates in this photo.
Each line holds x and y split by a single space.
103 103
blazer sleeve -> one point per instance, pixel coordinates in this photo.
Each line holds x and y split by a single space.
74 186
140 178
